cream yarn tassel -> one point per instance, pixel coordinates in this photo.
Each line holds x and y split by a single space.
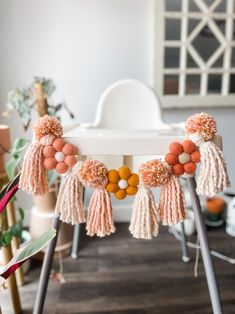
144 223
33 178
69 203
171 209
213 177
100 214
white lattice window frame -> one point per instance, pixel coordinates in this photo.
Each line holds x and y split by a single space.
203 99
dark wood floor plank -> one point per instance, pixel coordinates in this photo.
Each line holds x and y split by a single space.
122 275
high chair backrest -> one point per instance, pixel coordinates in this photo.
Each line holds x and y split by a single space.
129 104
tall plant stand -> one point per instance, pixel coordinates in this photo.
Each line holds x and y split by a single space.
93 142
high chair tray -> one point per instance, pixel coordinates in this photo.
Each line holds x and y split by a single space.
94 141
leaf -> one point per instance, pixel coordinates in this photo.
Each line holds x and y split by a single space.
11 167
37 245
19 146
21 212
6 239
24 253
16 230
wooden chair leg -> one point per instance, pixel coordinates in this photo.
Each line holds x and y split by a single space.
46 270
11 281
207 260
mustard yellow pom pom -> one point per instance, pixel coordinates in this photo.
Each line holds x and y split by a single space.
124 172
113 176
133 180
120 194
131 190
112 187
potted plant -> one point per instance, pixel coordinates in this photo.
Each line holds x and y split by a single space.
38 96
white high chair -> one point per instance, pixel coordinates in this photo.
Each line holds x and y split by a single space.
113 133
126 105
129 104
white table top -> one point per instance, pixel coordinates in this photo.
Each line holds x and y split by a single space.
92 141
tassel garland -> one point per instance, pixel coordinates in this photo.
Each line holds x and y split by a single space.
213 177
69 203
33 177
172 208
144 223
100 214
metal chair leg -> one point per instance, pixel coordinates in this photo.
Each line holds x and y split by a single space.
46 270
76 241
207 261
77 236
184 248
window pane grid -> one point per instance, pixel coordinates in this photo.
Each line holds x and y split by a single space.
210 25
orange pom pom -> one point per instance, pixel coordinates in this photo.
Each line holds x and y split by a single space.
124 172
171 159
113 176
195 156
58 144
120 194
47 125
112 187
49 151
68 149
188 146
49 163
132 190
61 167
176 148
190 167
133 180
178 169
70 160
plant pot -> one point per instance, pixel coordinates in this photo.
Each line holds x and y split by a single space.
42 221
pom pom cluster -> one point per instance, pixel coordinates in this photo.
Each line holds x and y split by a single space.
122 182
202 123
47 125
93 174
183 157
154 173
59 155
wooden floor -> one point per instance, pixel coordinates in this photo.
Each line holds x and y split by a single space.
121 275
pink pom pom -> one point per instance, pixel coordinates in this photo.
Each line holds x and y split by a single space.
93 174
70 160
48 151
61 167
154 173
50 163
47 125
202 123
58 144
69 149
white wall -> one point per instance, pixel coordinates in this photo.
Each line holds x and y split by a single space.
84 45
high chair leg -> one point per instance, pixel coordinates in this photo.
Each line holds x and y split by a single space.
207 260
46 270
184 248
76 241
77 236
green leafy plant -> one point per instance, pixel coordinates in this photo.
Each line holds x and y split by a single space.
15 156
24 100
13 231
